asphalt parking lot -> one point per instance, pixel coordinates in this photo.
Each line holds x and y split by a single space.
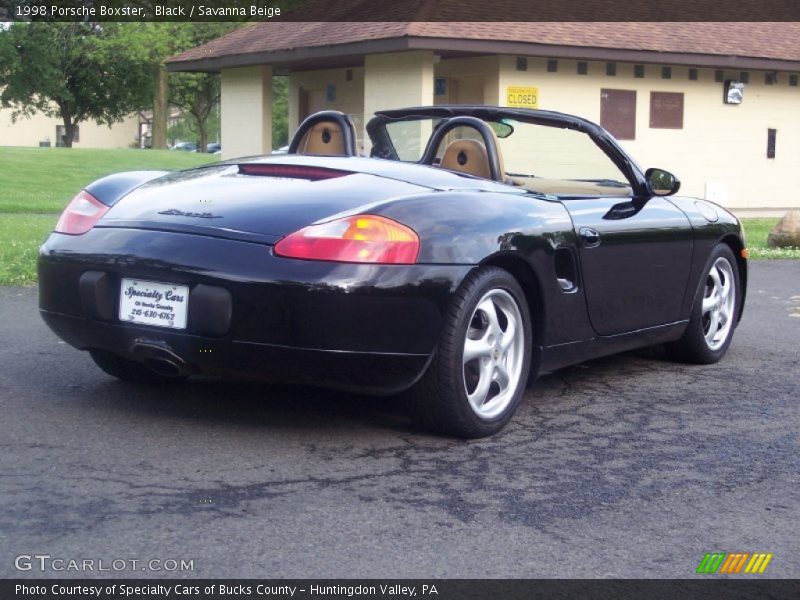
628 466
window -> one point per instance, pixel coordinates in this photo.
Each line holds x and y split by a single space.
666 110
583 68
771 135
348 75
744 77
618 113
793 80
522 63
719 76
542 158
666 72
693 74
560 161
638 71
770 78
552 65
611 69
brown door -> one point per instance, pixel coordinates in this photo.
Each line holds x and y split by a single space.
618 113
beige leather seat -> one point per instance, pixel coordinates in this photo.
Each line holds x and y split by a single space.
470 156
325 138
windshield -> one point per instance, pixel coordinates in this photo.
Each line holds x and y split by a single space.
541 158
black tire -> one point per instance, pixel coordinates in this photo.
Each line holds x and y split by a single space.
129 370
694 347
440 399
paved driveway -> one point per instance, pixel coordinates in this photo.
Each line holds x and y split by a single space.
627 466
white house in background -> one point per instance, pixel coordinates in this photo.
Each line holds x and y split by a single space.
43 130
658 87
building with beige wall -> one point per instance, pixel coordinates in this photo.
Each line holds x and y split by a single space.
658 87
41 129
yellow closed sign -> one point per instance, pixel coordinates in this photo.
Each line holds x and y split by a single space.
522 97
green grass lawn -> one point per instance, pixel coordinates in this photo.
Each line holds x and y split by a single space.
20 238
37 183
37 180
756 232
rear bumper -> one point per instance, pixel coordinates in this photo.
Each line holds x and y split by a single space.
367 372
368 328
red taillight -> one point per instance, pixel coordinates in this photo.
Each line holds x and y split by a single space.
358 239
81 214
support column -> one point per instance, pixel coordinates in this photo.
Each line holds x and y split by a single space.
246 111
397 80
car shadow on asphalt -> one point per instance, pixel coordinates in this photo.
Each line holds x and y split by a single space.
296 407
258 404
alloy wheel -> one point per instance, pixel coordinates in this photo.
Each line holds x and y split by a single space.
493 354
719 301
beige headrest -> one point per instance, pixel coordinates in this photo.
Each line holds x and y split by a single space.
325 138
467 156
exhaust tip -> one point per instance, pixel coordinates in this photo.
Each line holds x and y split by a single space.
167 368
160 360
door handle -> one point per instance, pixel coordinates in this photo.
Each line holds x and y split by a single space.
590 237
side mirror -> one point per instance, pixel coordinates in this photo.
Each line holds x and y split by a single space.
661 182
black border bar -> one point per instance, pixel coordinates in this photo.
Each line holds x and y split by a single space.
377 589
402 11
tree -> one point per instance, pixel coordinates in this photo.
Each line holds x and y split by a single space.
197 94
150 44
73 71
186 129
280 111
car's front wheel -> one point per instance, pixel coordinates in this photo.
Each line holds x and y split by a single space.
478 374
714 312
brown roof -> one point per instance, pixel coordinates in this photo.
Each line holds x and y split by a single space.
305 44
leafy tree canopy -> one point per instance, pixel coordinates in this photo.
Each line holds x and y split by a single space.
104 72
73 71
197 94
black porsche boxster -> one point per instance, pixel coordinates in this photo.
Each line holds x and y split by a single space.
473 249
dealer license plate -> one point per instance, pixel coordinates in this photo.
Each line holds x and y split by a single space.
153 303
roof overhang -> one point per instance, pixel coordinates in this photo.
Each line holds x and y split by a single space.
352 54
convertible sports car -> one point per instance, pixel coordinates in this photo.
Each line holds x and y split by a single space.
475 248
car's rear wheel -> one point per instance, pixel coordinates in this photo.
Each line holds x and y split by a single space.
478 374
714 312
129 370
